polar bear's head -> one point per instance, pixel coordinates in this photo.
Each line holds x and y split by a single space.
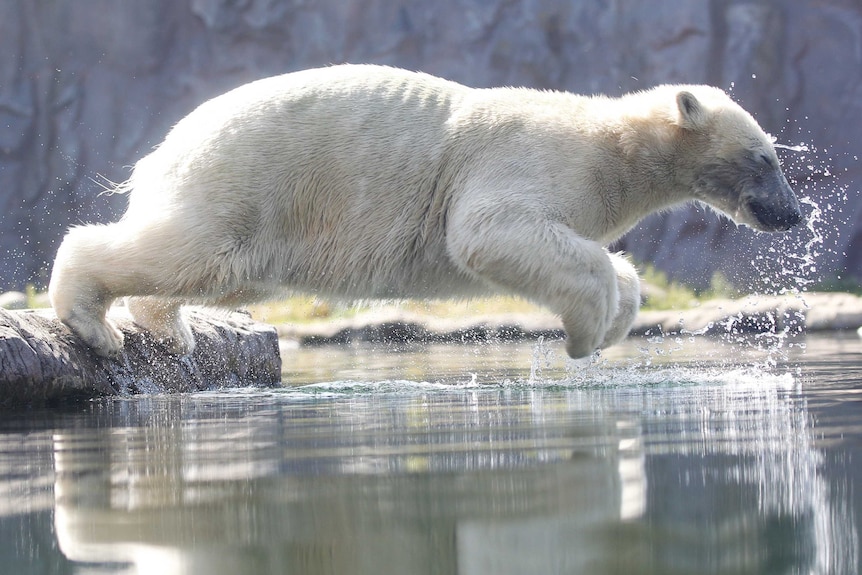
737 170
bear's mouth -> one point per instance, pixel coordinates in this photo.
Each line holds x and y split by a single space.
771 217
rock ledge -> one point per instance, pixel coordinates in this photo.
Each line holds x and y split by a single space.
41 362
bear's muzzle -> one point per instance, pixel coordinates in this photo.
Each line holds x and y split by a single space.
773 204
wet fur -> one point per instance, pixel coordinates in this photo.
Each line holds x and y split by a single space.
373 182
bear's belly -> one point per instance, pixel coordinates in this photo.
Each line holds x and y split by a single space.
380 276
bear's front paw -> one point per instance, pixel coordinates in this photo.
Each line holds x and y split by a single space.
577 349
587 325
583 338
628 287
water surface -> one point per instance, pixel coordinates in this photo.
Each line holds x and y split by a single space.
666 456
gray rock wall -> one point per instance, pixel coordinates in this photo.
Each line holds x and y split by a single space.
89 86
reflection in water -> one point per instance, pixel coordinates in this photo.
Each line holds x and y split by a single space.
743 464
361 485
608 470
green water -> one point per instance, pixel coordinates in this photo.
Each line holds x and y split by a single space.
672 456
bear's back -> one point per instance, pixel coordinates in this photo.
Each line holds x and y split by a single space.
338 173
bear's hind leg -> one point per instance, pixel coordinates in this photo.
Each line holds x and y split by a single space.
162 317
162 263
97 264
80 289
85 315
164 320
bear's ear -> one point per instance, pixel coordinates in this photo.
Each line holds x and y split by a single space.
692 113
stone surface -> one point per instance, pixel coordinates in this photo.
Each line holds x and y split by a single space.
87 87
396 326
42 362
758 314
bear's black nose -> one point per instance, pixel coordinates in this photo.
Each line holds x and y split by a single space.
793 219
774 218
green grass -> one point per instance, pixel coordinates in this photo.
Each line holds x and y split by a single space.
301 309
36 299
664 293
720 287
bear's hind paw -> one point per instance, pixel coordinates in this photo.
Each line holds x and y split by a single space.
102 337
178 345
164 322
177 338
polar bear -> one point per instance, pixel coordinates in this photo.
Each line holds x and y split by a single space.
362 181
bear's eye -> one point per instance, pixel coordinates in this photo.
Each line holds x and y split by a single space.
767 161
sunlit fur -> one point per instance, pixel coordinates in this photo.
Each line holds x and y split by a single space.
373 182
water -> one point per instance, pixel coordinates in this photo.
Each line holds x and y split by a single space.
661 458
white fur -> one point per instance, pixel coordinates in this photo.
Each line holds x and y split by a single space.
374 182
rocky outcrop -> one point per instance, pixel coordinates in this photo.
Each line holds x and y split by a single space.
41 362
392 325
88 87
791 314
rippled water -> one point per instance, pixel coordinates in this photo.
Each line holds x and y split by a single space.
664 457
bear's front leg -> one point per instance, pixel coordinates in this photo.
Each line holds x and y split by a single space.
628 285
547 262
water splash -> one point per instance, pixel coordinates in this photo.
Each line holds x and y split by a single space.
677 376
792 148
792 264
543 358
594 376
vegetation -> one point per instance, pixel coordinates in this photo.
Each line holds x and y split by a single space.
720 287
662 293
34 298
298 309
